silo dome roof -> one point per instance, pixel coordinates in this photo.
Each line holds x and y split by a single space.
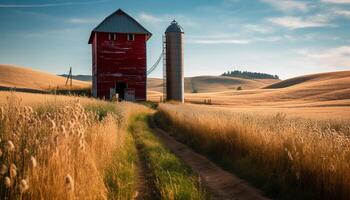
174 27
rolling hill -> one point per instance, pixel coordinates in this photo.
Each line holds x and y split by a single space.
325 95
201 84
315 87
308 89
204 84
320 96
25 78
308 79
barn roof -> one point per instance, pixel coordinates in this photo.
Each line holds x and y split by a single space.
119 22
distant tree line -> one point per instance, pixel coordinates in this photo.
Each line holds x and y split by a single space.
249 75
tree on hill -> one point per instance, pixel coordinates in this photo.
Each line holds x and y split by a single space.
249 75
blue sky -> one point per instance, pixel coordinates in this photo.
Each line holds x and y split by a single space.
284 37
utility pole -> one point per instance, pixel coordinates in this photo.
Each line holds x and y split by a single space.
69 77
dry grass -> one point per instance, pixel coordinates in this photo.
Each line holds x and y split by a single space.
212 83
289 158
21 77
49 100
306 89
61 150
318 96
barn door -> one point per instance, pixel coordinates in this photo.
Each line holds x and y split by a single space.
130 94
120 89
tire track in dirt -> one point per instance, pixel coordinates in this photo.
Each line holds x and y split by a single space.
219 183
142 187
145 188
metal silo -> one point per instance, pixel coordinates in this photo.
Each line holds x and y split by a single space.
174 62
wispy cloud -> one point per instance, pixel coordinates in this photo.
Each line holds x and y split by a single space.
258 28
150 18
288 5
37 15
344 13
164 20
337 56
336 1
219 41
58 19
223 38
76 20
50 4
54 33
271 38
301 22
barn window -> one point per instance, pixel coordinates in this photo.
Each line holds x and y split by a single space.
131 37
114 36
109 36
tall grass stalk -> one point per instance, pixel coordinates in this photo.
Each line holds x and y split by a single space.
289 158
65 149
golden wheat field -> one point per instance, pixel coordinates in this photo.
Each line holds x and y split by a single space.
175 100
282 155
46 99
205 84
288 138
60 147
22 77
317 96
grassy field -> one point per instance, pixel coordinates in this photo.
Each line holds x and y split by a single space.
290 139
22 77
205 84
25 78
66 148
290 158
317 96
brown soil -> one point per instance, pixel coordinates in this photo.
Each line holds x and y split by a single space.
219 183
145 188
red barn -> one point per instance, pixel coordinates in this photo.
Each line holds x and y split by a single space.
119 58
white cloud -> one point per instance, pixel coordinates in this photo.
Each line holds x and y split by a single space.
82 21
301 22
337 56
49 4
270 39
221 35
54 33
220 38
344 13
163 21
336 1
149 18
288 5
225 38
334 52
219 41
258 28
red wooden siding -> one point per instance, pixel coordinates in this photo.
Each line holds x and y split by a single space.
119 60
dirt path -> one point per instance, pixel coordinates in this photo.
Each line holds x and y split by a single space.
145 187
142 188
221 184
